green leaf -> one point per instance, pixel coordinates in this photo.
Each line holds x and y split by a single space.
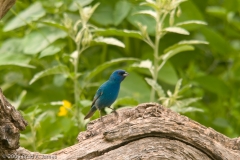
105 65
11 59
135 19
150 3
61 69
177 87
191 22
156 87
168 74
149 13
111 41
38 40
217 42
126 101
144 64
32 13
136 87
214 84
217 11
50 50
184 42
185 110
176 50
186 102
40 118
101 14
182 106
193 42
122 9
74 7
54 24
116 32
177 30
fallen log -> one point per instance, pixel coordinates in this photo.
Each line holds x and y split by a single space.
149 131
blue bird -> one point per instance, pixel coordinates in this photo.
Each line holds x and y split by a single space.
107 93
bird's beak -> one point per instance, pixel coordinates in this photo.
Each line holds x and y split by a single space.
125 74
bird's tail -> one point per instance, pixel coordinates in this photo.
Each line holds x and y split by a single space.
90 113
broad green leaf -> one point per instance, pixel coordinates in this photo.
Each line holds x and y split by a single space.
217 11
221 122
38 40
126 101
102 14
144 64
61 69
177 50
40 118
177 30
50 50
168 74
17 59
217 42
111 41
54 24
136 87
186 102
11 45
105 65
83 3
156 87
122 9
191 22
193 42
32 13
186 109
184 42
213 84
116 32
135 19
150 3
187 13
149 13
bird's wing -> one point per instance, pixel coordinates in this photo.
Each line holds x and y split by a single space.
97 95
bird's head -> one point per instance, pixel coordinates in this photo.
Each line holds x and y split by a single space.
118 75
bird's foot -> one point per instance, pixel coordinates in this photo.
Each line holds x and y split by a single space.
115 113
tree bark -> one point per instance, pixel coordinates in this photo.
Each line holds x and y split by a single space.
148 131
5 5
11 123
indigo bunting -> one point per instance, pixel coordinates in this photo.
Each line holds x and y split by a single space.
107 93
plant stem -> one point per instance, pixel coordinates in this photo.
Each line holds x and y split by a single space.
155 55
75 81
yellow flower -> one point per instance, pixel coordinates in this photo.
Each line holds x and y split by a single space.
63 110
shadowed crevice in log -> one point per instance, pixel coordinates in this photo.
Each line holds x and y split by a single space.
153 148
136 142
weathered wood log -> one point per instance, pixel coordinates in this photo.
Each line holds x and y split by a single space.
5 5
11 123
148 131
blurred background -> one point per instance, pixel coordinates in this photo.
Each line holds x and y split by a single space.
55 54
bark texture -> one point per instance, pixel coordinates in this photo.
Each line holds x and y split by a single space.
148 131
5 5
11 123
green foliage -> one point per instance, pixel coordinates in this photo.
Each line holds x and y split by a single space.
55 54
